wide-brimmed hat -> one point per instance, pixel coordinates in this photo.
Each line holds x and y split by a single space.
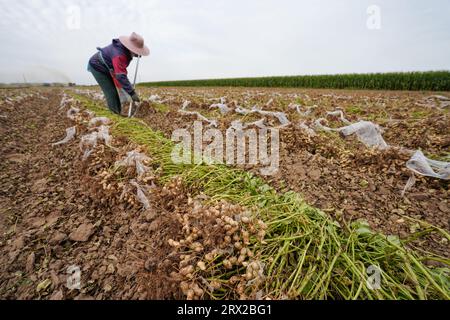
135 43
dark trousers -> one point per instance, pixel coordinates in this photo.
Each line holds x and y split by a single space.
109 90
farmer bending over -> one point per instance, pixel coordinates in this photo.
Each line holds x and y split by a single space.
109 68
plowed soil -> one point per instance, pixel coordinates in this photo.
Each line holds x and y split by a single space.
340 175
56 212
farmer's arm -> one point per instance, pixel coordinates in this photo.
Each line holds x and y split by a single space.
120 65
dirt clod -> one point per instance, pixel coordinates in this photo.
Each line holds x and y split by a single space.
82 233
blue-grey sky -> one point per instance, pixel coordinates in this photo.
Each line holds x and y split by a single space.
52 40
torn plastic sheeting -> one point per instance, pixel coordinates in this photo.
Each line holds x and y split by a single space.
91 93
222 100
19 98
269 103
186 104
298 108
65 100
444 102
238 125
340 115
95 95
103 134
88 144
433 101
242 110
409 184
367 132
212 123
224 109
89 141
135 159
99 121
154 98
337 113
334 96
98 96
141 195
426 167
70 134
281 116
319 126
439 97
72 112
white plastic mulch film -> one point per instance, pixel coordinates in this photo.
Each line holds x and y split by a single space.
155 98
186 104
224 109
137 160
65 100
91 94
299 108
340 115
239 125
70 134
222 106
99 121
439 101
72 113
89 141
281 116
141 195
421 165
426 167
367 132
211 123
100 133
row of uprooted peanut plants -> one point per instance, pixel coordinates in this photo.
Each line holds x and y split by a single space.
243 239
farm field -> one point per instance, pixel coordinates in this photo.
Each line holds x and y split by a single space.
143 227
432 80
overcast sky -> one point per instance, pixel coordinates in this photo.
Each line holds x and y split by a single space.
52 40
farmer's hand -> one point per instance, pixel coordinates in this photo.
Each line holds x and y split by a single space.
135 97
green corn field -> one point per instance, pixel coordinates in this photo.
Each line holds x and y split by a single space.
432 81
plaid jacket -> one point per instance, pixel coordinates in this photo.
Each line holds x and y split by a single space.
117 58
